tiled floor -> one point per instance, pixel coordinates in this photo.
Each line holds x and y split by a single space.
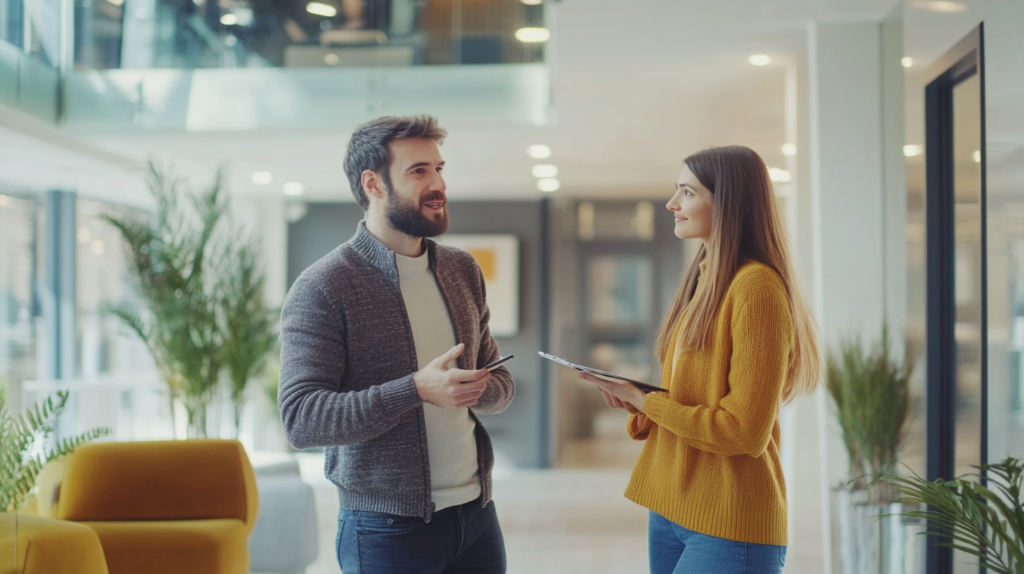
559 521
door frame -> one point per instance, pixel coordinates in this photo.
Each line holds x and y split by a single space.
963 61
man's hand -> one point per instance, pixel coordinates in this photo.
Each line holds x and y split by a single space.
450 388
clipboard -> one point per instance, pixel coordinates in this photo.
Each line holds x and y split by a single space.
645 387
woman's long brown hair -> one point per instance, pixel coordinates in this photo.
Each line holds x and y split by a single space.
745 227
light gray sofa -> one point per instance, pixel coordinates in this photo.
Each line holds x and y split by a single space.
285 538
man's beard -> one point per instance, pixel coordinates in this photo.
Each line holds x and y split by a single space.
407 216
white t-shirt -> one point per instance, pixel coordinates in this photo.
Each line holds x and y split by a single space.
451 444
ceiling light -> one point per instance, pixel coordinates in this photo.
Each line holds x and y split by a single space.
788 149
293 188
84 235
321 9
262 177
332 59
548 185
98 247
545 170
3 199
907 62
912 150
532 2
229 19
976 156
759 60
116 2
779 175
533 35
943 6
538 151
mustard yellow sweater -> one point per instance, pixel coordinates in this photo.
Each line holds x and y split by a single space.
711 461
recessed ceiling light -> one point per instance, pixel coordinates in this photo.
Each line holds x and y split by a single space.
3 199
84 235
98 247
759 60
293 188
943 6
321 9
976 156
533 35
262 177
332 59
532 2
548 185
788 149
779 175
912 150
907 62
545 170
229 19
538 151
116 2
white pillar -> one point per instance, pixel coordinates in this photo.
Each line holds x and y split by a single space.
857 206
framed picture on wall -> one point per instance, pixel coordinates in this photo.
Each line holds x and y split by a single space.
498 257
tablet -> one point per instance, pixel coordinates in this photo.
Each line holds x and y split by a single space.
498 363
647 388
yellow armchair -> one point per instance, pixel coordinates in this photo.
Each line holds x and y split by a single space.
163 506
35 545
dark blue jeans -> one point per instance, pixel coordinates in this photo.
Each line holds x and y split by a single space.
458 540
677 550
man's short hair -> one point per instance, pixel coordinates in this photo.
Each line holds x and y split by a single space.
368 148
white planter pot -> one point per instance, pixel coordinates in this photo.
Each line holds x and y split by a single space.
873 539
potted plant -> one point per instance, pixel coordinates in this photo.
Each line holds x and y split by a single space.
179 323
249 333
871 391
985 521
23 452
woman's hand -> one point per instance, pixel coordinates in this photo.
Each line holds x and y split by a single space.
618 395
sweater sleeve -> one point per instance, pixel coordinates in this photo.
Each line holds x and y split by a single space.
500 388
638 427
741 423
315 410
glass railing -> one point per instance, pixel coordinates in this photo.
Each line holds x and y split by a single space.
33 28
189 34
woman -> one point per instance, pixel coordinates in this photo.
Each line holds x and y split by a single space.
737 342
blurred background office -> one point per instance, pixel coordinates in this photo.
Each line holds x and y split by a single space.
568 120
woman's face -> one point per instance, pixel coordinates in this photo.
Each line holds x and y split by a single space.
693 206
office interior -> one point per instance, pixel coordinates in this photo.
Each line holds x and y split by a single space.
893 130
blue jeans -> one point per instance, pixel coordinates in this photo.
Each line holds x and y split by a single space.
677 550
458 540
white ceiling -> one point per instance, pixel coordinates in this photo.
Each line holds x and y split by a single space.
635 85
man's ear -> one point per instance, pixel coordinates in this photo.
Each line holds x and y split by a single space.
373 185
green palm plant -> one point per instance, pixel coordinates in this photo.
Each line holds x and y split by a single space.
23 451
984 521
871 391
248 322
168 261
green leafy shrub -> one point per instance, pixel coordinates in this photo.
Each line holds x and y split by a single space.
249 324
985 522
180 325
871 391
22 447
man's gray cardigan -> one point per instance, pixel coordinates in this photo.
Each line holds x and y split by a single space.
347 362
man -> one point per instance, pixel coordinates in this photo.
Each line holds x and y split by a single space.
382 344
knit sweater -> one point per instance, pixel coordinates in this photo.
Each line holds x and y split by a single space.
711 461
347 363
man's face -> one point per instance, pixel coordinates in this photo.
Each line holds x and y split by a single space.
416 201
